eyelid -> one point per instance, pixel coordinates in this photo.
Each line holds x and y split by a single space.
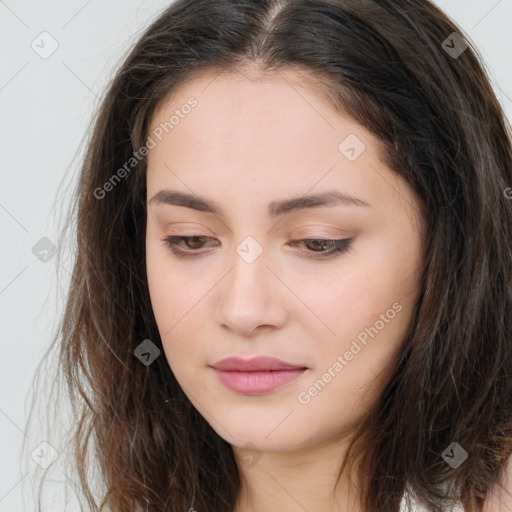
184 229
297 238
330 232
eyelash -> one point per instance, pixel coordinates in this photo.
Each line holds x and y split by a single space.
340 246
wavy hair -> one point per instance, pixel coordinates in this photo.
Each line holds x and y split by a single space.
388 65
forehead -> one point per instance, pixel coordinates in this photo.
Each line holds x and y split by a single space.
247 94
251 122
248 81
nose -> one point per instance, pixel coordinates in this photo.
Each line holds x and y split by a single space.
252 294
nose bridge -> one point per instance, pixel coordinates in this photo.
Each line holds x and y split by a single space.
249 296
250 262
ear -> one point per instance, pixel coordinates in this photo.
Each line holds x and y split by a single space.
500 498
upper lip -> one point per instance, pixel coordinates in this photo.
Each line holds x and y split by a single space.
262 363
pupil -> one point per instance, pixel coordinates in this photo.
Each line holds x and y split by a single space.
195 240
320 244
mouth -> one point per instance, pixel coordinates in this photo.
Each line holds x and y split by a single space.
256 376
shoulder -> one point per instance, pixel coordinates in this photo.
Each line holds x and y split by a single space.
500 498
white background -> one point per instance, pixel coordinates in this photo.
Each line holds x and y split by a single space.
45 106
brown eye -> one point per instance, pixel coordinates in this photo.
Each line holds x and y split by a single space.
194 242
191 242
321 246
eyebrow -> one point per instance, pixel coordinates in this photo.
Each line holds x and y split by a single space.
275 208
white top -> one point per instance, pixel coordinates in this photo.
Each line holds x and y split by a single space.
418 508
403 506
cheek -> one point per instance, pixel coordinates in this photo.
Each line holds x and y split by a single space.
368 309
369 312
159 285
170 302
170 297
180 305
172 293
350 302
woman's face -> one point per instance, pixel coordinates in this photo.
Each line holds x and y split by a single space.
252 284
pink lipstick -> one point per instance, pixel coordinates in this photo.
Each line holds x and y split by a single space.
255 376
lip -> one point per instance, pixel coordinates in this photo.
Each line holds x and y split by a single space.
255 376
262 363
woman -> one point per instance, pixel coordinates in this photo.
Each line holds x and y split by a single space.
293 279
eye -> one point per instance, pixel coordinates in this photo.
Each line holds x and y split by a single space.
326 247
322 248
193 242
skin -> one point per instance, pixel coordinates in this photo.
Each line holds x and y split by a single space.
253 139
500 497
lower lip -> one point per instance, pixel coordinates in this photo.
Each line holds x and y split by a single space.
256 383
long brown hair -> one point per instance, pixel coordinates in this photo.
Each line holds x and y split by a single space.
397 68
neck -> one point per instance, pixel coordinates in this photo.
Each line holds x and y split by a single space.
305 479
